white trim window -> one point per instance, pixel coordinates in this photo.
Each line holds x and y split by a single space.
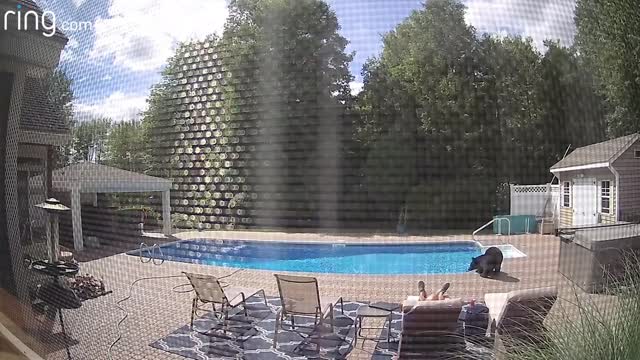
605 197
566 194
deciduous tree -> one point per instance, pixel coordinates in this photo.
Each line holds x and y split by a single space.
608 38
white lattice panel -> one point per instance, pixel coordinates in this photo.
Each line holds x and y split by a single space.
531 200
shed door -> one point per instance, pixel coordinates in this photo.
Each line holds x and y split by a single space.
585 202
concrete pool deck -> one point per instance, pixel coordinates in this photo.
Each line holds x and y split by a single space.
155 310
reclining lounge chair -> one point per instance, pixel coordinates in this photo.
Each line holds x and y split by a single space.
430 329
518 316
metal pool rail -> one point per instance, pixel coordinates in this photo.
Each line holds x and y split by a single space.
150 252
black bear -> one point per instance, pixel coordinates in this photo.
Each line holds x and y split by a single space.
487 263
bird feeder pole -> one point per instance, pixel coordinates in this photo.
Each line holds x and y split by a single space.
53 207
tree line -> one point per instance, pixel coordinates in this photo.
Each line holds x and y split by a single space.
104 141
458 115
446 118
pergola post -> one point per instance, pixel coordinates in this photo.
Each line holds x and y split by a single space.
76 218
166 212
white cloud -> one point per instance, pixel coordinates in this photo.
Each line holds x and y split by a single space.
78 3
69 51
538 19
118 106
142 34
356 87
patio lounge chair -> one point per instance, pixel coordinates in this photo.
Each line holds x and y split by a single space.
518 316
208 290
430 329
300 296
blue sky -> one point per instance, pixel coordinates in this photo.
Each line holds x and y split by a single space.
363 23
114 64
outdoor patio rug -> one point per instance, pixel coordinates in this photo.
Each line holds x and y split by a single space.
387 350
251 338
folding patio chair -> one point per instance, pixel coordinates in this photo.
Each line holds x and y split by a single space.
208 290
300 296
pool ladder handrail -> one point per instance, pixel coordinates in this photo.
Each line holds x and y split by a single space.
473 236
156 261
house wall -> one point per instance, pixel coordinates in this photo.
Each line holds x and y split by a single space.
629 169
35 168
565 218
22 54
37 187
6 271
17 272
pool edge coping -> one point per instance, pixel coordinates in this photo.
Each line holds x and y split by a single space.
314 242
520 254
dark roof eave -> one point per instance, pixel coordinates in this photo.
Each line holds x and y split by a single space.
43 137
60 37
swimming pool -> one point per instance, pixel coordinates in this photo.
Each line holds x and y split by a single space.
425 258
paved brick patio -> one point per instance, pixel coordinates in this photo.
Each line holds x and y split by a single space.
155 310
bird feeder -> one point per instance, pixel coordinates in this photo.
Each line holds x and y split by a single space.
53 207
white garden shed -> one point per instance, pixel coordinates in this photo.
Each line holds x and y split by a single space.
600 183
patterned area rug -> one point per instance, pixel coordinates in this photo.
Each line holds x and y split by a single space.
251 337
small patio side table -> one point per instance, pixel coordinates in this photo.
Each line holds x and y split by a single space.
474 321
366 311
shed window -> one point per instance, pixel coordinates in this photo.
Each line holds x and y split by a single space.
605 197
636 153
566 194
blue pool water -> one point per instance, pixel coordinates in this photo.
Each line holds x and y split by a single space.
433 258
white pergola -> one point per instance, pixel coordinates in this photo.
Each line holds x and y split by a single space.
94 178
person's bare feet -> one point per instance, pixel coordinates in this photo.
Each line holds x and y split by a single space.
440 294
444 288
422 293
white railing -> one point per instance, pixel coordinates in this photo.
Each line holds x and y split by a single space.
150 252
499 220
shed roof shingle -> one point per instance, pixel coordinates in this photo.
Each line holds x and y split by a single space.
38 111
601 152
